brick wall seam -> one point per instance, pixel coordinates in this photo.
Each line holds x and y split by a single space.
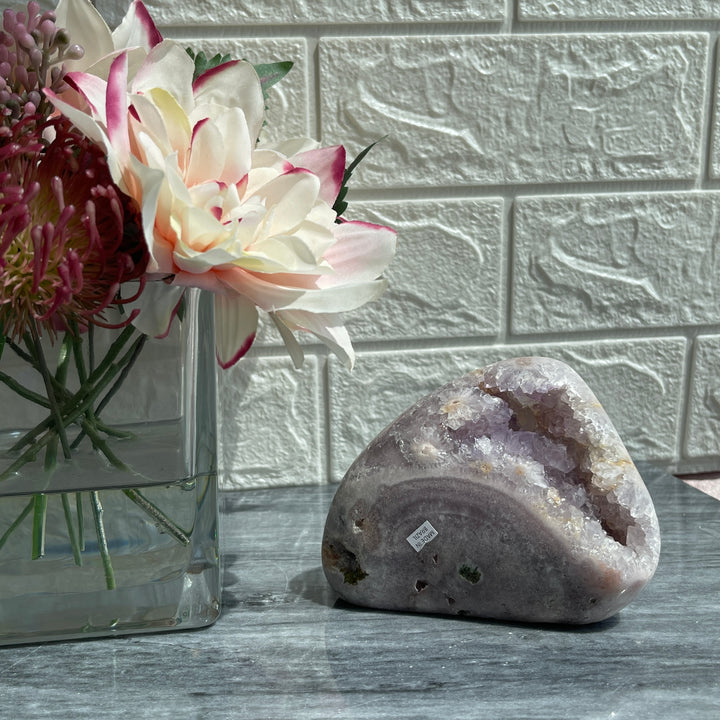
709 112
685 409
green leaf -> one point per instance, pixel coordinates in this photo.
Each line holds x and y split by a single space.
271 73
2 344
203 64
340 205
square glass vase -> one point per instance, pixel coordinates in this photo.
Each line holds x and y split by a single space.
114 529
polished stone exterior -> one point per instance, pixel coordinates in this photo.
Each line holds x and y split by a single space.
506 493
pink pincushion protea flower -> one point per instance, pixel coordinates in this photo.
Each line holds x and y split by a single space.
32 50
68 237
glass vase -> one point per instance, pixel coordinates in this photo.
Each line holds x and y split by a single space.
120 534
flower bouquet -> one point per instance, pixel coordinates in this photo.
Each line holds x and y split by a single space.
143 223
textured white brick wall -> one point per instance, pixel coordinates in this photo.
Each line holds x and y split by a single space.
553 168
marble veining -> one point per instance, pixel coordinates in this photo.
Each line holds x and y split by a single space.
287 649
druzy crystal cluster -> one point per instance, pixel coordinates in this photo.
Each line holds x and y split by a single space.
505 494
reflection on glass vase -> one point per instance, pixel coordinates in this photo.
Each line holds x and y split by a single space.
111 526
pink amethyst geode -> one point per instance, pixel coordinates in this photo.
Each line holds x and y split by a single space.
505 494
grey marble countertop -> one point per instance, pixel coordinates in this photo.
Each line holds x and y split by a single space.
286 649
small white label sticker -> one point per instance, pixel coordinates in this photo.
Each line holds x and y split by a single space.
422 536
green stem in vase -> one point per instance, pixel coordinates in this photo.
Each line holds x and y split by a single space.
60 386
78 352
90 425
81 408
82 377
101 376
28 456
74 543
137 349
91 347
86 394
81 371
51 455
63 363
55 412
101 445
80 520
94 386
28 394
38 530
97 510
158 515
29 437
110 431
91 415
21 390
18 520
20 352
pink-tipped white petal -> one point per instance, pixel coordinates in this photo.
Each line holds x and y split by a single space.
92 88
116 108
329 165
207 154
199 248
233 84
146 119
84 122
149 184
235 328
169 67
176 133
292 346
292 197
294 146
137 29
237 145
267 294
284 254
158 305
361 253
101 68
327 327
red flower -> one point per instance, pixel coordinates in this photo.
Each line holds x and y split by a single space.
68 237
